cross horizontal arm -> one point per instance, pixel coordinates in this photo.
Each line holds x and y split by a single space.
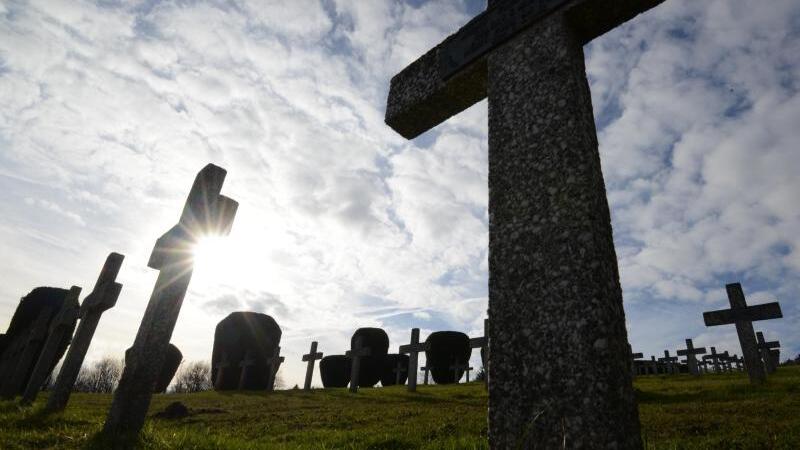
478 342
408 348
751 313
317 355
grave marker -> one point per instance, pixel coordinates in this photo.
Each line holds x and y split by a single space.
205 212
246 364
425 369
550 241
653 365
311 357
32 345
634 357
669 363
61 329
273 364
456 367
715 358
355 354
743 317
102 298
222 364
690 353
398 371
765 349
413 349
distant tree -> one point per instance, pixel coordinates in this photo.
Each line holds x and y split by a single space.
480 375
792 362
193 377
101 377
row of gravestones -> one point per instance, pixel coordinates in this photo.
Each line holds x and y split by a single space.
246 356
39 334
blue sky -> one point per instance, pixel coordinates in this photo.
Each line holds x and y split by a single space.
108 109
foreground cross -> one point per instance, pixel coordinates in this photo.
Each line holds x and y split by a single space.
205 212
551 252
60 330
103 297
413 349
311 357
32 345
355 354
743 317
691 359
765 348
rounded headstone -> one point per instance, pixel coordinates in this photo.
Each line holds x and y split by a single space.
237 335
444 349
389 377
172 360
371 366
335 371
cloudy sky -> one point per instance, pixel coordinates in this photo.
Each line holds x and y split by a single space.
108 109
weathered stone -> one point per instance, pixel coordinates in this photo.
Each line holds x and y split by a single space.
205 212
103 297
690 352
236 335
743 317
715 359
172 360
312 356
371 366
335 371
395 369
445 348
17 378
765 349
58 338
552 264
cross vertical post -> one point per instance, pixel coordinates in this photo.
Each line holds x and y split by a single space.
355 354
413 349
273 364
765 349
690 353
425 369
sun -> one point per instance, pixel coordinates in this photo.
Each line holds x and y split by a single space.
214 258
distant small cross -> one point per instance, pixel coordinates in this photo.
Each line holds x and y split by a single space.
356 353
653 364
690 353
398 370
458 367
743 317
765 348
669 362
634 357
413 349
425 369
311 357
715 358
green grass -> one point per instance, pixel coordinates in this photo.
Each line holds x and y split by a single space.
677 412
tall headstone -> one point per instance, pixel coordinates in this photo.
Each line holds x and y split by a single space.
743 317
413 349
765 349
172 361
690 352
103 297
238 334
551 254
32 347
312 356
205 212
356 353
60 333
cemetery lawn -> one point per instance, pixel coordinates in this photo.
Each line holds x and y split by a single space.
677 412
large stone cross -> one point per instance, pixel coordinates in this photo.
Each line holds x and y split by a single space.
273 364
61 329
103 297
312 356
551 252
690 353
205 212
32 345
743 317
765 348
413 349
356 353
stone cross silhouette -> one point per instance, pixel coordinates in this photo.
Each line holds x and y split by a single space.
425 369
311 357
725 360
273 364
690 353
246 364
413 349
653 364
743 317
550 242
634 357
715 359
61 329
481 342
355 354
458 367
222 365
21 367
669 362
102 298
765 348
205 212
398 370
